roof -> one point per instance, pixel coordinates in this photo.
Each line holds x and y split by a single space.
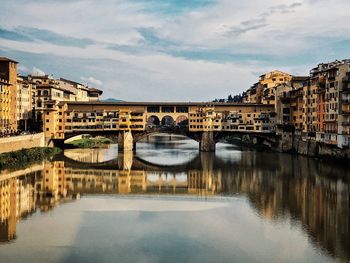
47 86
185 104
7 59
300 78
73 82
274 71
96 90
40 76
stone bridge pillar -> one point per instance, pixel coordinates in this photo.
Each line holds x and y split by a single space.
125 141
207 142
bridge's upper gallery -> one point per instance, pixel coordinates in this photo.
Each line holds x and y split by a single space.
85 117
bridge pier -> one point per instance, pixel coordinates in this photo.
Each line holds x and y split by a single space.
207 142
59 143
125 141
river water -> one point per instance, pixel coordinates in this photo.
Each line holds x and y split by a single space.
169 203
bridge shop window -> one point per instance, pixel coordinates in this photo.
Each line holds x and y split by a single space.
167 109
153 109
182 109
137 114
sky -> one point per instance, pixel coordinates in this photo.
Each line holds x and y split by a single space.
172 50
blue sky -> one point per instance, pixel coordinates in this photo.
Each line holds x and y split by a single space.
188 50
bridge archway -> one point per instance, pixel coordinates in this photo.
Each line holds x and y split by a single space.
153 121
168 121
77 137
182 120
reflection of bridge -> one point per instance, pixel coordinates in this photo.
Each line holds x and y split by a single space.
206 123
128 161
282 186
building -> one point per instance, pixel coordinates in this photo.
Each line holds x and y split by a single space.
317 105
49 92
80 91
269 82
8 77
5 106
24 103
82 117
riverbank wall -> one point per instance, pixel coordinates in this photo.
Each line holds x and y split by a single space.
289 142
11 144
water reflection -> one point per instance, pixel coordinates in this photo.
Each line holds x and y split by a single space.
280 187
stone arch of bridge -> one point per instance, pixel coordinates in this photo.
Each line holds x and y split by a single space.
153 120
182 120
167 130
167 120
76 137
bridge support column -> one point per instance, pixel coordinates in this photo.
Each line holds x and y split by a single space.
125 141
207 143
55 143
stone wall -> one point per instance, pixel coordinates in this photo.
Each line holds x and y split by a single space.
10 144
311 148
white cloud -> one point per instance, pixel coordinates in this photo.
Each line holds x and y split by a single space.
92 80
23 69
291 37
37 72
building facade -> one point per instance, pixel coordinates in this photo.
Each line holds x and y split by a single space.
8 76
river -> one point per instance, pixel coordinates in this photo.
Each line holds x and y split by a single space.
169 203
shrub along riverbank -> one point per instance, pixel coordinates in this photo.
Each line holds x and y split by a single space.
25 157
90 142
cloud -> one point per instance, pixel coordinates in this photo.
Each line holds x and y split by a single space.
173 50
261 21
37 72
245 27
31 34
92 80
23 69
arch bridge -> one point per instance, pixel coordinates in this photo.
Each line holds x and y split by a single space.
207 123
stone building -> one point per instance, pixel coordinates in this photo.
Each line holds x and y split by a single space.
8 77
264 91
24 106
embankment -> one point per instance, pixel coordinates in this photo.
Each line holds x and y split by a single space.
16 143
290 142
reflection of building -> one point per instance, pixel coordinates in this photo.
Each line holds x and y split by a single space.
17 199
304 191
300 191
